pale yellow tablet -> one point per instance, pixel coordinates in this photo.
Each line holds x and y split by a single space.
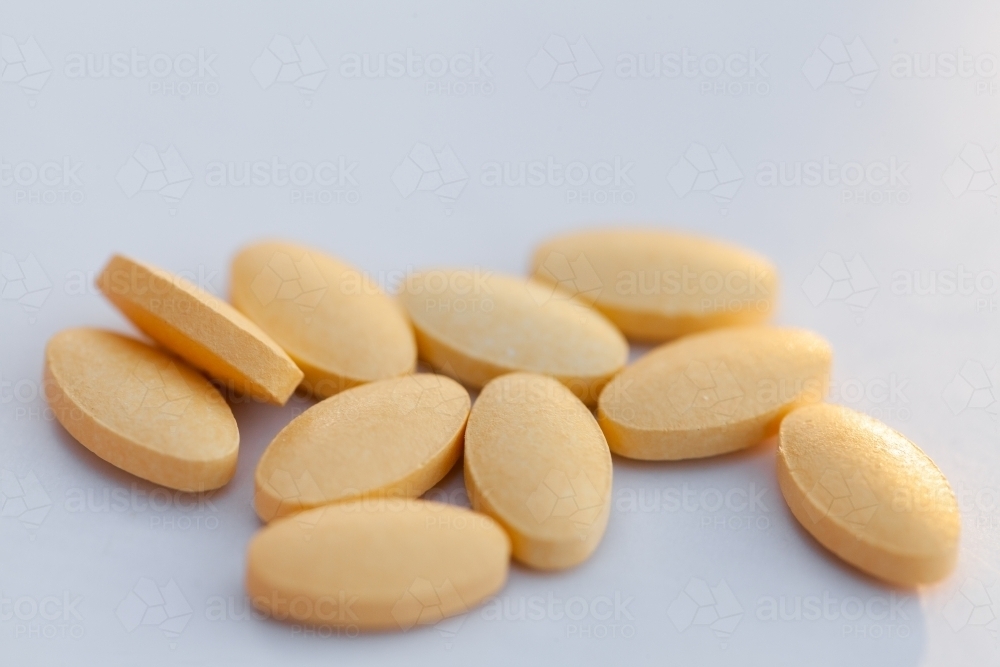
868 494
332 319
141 409
537 462
392 438
713 392
476 325
362 566
205 331
656 285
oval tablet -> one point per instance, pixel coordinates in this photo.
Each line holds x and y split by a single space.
475 326
395 437
868 494
376 566
339 329
141 410
203 330
537 462
713 392
656 285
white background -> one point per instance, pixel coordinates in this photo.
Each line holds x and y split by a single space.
918 359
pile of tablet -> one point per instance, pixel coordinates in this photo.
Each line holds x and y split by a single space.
339 486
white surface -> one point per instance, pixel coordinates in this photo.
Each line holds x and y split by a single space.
936 217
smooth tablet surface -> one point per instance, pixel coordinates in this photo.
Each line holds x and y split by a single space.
713 392
205 331
537 462
868 494
656 285
477 325
389 565
337 326
141 410
394 438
